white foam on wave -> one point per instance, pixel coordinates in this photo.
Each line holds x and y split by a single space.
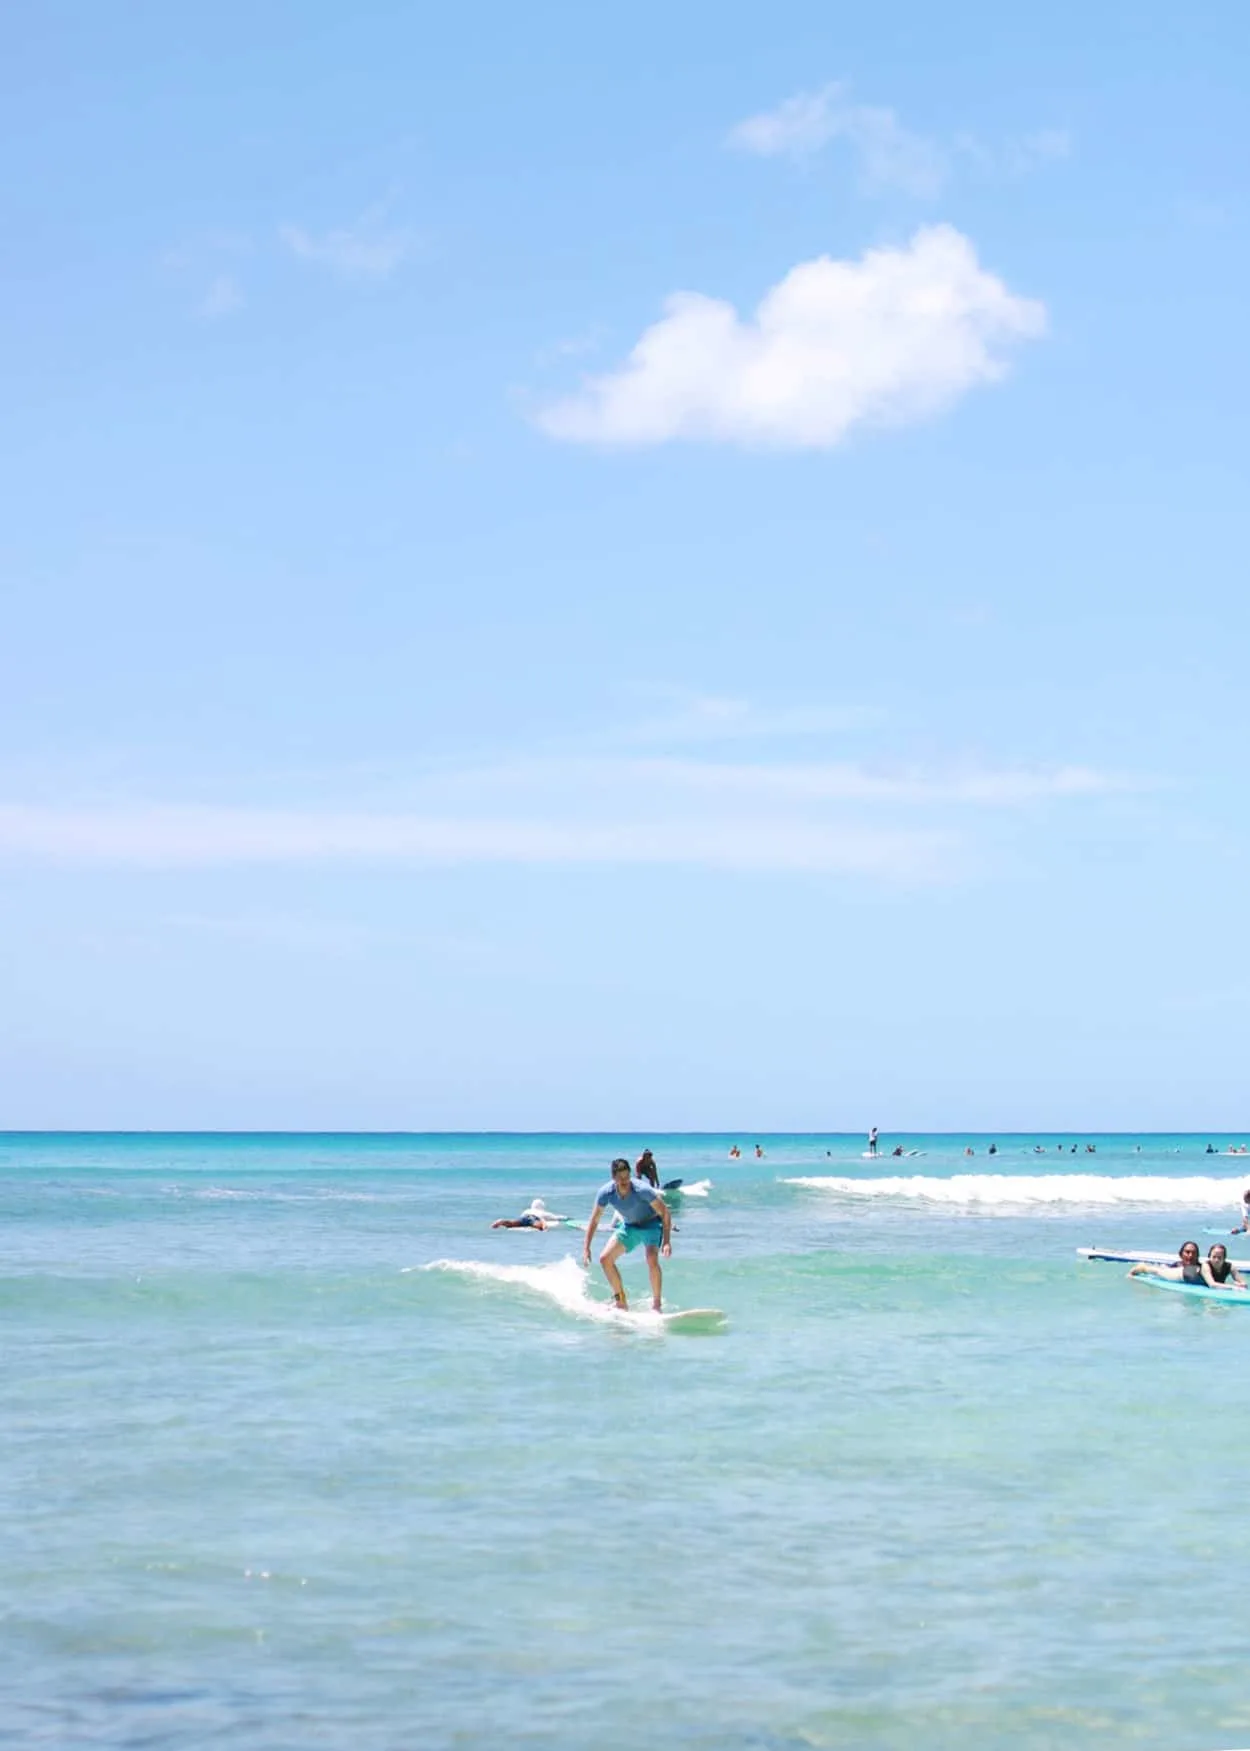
563 1282
986 1189
699 1189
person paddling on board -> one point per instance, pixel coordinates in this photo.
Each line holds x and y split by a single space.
1187 1269
648 1223
537 1216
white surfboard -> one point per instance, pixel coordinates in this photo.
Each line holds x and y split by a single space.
700 1321
1104 1255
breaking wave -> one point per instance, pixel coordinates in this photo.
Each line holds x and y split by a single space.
998 1190
563 1283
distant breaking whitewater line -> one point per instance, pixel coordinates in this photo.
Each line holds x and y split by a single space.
1196 1193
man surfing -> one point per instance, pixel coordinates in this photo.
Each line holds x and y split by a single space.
648 1223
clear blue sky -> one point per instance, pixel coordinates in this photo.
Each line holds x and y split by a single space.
572 567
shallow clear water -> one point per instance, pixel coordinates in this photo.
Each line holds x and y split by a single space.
267 1481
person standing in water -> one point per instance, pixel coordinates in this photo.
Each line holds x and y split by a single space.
648 1224
872 1141
645 1169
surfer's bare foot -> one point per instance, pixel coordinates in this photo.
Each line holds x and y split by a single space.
621 1303
656 1308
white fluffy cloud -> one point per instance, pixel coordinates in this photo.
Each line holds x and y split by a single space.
886 340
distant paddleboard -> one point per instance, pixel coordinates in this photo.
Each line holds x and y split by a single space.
889 1155
1199 1291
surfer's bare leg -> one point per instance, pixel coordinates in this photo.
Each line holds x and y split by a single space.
657 1276
608 1258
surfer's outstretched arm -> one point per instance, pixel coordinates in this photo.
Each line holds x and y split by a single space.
590 1233
662 1210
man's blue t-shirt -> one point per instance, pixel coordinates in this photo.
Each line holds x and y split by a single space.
634 1205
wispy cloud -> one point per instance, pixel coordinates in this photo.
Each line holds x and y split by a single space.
886 340
887 155
369 249
1014 158
223 297
909 824
683 718
168 836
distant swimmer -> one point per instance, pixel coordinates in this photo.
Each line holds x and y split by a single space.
1219 1270
735 1153
993 1149
647 1223
897 1149
1187 1269
759 1153
536 1216
1210 1148
872 1141
969 1150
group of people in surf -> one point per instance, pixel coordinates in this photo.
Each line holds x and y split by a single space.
1216 1271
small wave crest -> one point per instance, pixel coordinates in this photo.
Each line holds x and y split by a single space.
563 1282
1014 1191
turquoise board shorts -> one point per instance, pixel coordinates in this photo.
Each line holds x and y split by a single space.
632 1238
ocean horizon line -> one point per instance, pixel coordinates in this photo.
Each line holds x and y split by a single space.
638 1131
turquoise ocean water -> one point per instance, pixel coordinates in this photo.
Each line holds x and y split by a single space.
296 1451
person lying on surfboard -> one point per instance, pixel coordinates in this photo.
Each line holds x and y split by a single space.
537 1216
648 1223
1219 1270
1187 1269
